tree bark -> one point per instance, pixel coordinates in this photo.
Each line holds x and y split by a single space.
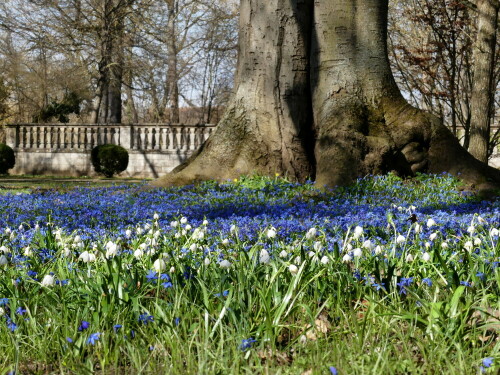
316 98
483 91
172 87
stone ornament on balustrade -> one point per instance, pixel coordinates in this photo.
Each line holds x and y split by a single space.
64 149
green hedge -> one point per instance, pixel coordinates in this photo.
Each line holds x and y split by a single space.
109 159
7 158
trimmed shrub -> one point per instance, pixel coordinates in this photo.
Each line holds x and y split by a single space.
7 158
109 159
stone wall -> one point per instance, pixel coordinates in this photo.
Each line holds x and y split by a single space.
54 149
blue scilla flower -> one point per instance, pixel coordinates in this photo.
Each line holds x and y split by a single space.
167 285
83 326
486 363
465 283
404 282
11 325
246 344
151 276
4 301
427 281
146 318
21 311
333 370
93 338
116 327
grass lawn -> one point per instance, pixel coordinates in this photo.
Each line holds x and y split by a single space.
250 276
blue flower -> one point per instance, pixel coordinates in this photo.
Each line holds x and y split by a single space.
167 284
427 281
93 338
21 311
11 325
4 301
177 321
465 283
246 344
151 276
116 327
83 326
488 362
333 370
69 339
146 318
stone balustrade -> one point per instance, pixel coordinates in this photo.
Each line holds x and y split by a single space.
64 149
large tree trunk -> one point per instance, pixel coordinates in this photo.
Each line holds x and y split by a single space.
316 98
172 87
483 91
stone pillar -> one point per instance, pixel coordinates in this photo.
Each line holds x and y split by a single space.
125 139
11 136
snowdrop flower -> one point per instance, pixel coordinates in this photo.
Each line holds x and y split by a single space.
225 264
207 261
471 229
444 245
418 228
233 229
156 216
139 231
311 254
481 220
8 230
111 249
3 260
128 233
311 233
264 257
86 257
348 247
400 208
427 245
188 227
184 220
430 223
205 222
21 228
368 245
283 254
138 254
433 236
426 257
346 258
177 235
298 260
193 247
412 208
77 239
159 265
378 250
225 242
468 246
183 232
357 252
477 241
324 259
494 232
174 224
48 280
400 239
37 227
27 251
147 226
409 258
293 269
358 231
317 246
271 233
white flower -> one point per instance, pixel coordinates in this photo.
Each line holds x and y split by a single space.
433 236
430 223
400 239
412 208
378 250
283 254
324 259
481 220
174 224
48 280
317 246
205 222
225 264
494 232
368 245
264 257
311 233
184 220
156 216
427 245
444 245
471 229
271 233
172 269
193 247
3 260
233 229
159 265
225 242
4 249
177 235
21 228
358 231
468 246
293 269
418 228
139 231
85 257
77 239
409 258
357 252
37 227
348 247
426 257
188 227
183 232
477 241
311 254
138 253
27 251
128 233
298 260
346 258
207 261
111 249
